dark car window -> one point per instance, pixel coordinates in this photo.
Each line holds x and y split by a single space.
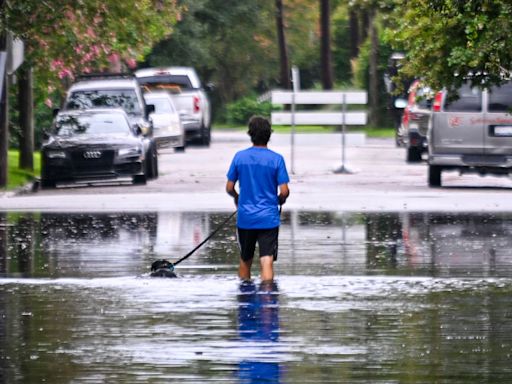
500 98
424 98
466 99
116 98
166 82
93 124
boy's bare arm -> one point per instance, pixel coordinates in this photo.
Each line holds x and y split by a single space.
230 189
284 192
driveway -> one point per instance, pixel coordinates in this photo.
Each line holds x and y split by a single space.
195 180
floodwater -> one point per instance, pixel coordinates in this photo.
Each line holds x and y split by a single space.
358 298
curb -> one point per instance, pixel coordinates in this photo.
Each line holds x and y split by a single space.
28 188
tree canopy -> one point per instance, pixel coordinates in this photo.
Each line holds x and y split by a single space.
234 44
445 41
67 37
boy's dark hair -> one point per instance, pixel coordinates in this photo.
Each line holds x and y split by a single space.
259 130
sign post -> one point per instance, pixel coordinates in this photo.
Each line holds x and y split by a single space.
343 168
344 118
296 87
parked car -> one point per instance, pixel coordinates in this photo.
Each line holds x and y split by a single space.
413 128
471 132
185 88
96 144
167 128
111 90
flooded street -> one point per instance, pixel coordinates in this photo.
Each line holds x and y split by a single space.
392 297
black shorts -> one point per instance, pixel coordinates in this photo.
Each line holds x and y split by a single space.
266 239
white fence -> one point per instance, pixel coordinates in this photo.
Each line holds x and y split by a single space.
341 118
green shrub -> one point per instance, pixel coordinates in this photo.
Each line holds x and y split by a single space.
239 112
18 177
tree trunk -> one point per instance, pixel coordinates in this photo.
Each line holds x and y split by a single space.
325 44
3 244
26 105
4 117
354 34
373 88
364 24
284 71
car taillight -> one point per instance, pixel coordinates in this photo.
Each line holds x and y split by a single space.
405 116
436 106
196 104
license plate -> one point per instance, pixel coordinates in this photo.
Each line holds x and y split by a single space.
504 130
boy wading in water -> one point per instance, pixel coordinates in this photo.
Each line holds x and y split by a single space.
263 184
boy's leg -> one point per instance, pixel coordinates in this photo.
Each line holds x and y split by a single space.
267 241
244 269
247 244
267 268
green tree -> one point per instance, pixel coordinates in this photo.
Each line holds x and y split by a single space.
445 40
229 44
235 44
64 38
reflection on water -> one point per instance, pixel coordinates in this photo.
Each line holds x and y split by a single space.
258 324
363 298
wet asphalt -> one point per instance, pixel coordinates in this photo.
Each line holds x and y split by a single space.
379 180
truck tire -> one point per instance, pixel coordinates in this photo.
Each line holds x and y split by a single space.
152 163
46 184
413 155
205 135
139 179
155 165
434 175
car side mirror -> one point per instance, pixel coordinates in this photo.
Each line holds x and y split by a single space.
46 134
400 103
150 108
210 87
138 130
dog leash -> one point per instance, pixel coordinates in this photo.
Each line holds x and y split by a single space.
205 240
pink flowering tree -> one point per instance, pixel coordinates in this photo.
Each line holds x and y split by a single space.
64 38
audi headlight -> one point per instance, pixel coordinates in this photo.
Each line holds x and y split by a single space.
56 154
130 151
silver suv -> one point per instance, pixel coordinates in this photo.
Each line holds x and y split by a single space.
471 132
111 90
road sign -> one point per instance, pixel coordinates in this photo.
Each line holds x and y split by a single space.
319 118
16 55
319 97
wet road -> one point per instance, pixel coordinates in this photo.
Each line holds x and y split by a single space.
195 180
387 297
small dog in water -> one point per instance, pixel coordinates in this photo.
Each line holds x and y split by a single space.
162 268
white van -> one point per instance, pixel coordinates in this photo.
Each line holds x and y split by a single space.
471 132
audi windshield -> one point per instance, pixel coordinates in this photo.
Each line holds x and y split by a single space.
91 124
108 98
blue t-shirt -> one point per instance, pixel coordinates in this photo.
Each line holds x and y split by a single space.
259 172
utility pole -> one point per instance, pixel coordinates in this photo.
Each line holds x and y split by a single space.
325 44
373 89
4 117
26 105
284 70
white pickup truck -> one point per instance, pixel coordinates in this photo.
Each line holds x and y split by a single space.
184 86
